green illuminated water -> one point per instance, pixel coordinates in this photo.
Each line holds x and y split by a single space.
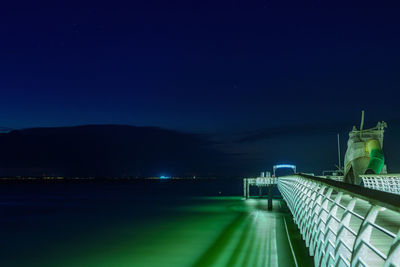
151 231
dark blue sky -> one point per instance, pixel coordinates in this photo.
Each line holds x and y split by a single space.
202 66
219 67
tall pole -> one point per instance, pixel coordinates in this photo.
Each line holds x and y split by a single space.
362 123
362 120
338 148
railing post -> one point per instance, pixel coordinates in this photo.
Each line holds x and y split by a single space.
364 233
340 243
315 219
323 216
393 258
310 214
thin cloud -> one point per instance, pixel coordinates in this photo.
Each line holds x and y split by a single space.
299 130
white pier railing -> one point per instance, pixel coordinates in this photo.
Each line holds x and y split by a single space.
383 182
260 182
343 224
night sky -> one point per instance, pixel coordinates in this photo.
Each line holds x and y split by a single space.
291 74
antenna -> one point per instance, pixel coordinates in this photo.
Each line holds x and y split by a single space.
338 148
362 121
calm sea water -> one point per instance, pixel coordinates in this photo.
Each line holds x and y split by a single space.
138 223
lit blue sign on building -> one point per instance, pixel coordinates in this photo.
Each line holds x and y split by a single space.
279 166
282 166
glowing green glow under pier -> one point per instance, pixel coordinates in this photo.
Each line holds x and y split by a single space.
204 231
214 232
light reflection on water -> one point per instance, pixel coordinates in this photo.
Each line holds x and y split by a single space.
125 225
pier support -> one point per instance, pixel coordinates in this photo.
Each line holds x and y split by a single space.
260 191
246 189
270 192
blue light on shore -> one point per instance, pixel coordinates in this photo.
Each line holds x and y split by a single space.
165 177
280 166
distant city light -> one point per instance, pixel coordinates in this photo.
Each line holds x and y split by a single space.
165 177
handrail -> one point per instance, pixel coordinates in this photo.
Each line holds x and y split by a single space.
344 224
381 198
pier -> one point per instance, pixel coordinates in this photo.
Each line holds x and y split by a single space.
341 224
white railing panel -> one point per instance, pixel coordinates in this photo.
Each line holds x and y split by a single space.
342 228
383 182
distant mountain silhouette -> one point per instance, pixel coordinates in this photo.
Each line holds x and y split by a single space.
104 151
5 129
